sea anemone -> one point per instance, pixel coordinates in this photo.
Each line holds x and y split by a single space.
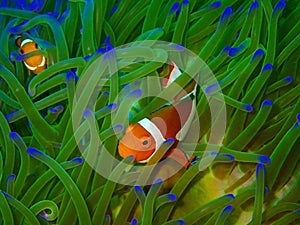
60 128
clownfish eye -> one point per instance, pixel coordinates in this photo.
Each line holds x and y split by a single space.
36 46
22 51
146 142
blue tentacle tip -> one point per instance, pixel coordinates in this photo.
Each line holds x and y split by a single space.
212 88
70 75
113 106
77 160
174 7
288 79
253 7
260 167
158 181
248 107
53 110
228 208
34 152
215 5
13 135
230 195
226 15
100 50
233 52
138 188
172 197
268 67
181 222
113 10
264 159
87 113
134 221
118 127
226 49
259 53
279 7
185 2
6 195
137 93
267 102
11 177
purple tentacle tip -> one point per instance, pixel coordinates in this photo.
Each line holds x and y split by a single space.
172 197
77 160
53 110
134 221
138 188
137 93
228 208
260 167
226 49
298 117
13 135
253 6
87 113
118 127
267 103
185 2
174 7
288 79
11 177
181 222
112 106
230 195
34 152
259 53
158 181
70 75
226 15
113 10
279 7
264 159
268 67
233 52
248 107
215 5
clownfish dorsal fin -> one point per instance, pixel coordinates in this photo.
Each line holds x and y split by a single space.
149 126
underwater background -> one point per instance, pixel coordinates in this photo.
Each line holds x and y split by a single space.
252 48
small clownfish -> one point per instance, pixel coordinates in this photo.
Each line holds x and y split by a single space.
36 63
144 138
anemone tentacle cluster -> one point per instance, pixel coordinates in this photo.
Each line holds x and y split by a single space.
49 164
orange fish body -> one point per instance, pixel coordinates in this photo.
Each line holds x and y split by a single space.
36 63
144 138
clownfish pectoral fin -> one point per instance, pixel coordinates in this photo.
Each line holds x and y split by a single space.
179 156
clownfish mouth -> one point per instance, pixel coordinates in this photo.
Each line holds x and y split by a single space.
125 150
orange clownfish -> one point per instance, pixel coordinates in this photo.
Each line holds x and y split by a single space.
36 63
144 138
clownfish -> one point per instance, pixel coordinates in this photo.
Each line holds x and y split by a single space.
36 63
144 138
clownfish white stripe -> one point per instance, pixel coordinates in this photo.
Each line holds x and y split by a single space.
25 41
186 127
155 132
30 67
43 62
174 74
